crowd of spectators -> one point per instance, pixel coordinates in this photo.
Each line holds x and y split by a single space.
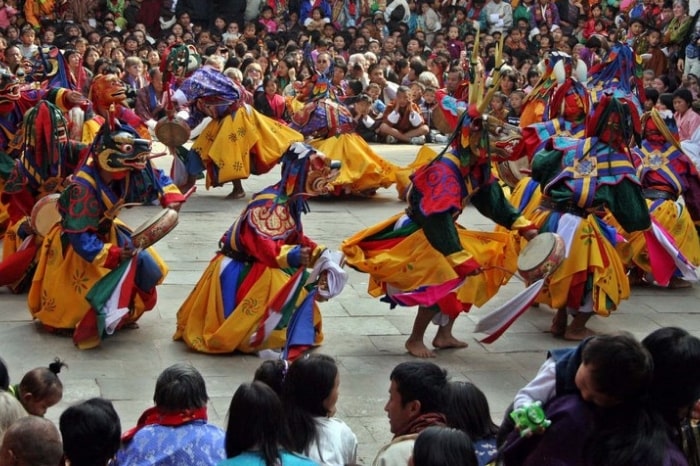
366 48
642 411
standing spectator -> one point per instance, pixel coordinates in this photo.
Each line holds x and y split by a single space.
417 395
91 433
175 431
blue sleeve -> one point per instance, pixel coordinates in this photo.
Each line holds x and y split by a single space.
87 245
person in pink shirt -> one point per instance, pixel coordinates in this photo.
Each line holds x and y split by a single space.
686 118
7 12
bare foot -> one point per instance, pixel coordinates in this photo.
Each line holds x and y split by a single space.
448 342
558 328
578 334
418 349
235 194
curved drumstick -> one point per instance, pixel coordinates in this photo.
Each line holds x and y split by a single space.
503 269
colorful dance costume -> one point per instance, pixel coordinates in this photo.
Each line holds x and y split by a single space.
255 285
48 159
579 178
666 174
239 141
424 257
82 281
362 171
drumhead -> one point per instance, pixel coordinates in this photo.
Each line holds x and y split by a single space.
150 222
153 230
172 133
536 251
45 214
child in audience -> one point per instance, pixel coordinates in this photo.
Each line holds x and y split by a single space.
604 369
498 106
516 107
468 410
272 373
40 388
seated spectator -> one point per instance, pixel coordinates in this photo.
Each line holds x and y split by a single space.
442 446
272 373
267 101
175 431
468 410
310 394
10 411
149 99
91 433
365 125
40 388
402 120
686 118
517 97
4 376
378 105
253 431
31 441
675 386
497 106
417 394
588 370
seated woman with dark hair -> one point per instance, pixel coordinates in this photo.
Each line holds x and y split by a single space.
253 432
175 431
310 393
91 433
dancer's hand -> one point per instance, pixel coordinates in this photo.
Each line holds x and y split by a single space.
175 206
127 253
529 234
305 256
